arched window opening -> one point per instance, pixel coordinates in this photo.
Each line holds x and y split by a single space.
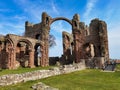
37 55
57 53
37 36
22 53
89 50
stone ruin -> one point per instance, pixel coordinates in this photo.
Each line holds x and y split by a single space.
84 44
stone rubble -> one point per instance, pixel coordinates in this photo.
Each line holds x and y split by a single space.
42 86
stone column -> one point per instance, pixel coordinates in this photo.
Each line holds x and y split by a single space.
42 56
11 59
31 59
45 26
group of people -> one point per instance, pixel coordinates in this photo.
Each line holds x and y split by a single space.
110 66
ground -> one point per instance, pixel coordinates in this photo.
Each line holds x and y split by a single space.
89 79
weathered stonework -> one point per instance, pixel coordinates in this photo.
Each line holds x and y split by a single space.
84 43
42 86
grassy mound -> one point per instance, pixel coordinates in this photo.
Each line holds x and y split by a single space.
89 79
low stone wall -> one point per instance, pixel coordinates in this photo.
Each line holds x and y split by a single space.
39 74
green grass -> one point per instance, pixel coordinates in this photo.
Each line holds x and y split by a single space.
118 67
89 79
21 70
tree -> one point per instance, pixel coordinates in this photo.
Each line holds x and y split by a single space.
52 39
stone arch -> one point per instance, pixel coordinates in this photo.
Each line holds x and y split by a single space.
61 18
26 41
10 41
25 53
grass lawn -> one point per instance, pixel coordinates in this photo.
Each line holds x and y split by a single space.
22 70
89 79
118 67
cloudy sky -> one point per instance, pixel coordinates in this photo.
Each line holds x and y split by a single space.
14 13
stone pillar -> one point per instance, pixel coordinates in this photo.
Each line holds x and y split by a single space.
31 59
45 28
11 57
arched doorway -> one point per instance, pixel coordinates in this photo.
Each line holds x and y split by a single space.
37 36
37 55
59 25
24 53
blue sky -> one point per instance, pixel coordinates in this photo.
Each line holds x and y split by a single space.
14 13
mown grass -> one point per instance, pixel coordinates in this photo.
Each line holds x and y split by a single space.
21 70
118 67
89 79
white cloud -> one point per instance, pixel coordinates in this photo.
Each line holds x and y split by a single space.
34 9
59 27
13 24
54 8
90 5
13 28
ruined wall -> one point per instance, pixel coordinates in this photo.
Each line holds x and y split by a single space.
98 37
53 60
12 54
84 43
39 74
30 28
99 40
94 36
78 37
3 53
